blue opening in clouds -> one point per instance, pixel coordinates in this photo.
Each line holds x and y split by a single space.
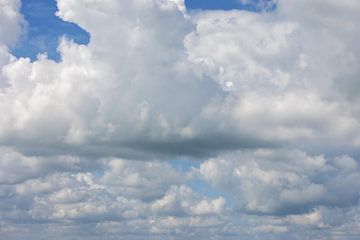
199 185
248 5
44 30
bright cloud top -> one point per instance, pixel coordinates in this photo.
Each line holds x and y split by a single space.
267 102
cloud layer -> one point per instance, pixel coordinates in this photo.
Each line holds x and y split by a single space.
264 104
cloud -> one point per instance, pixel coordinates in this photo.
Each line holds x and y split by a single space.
181 200
283 182
264 104
16 168
11 28
121 193
189 85
143 180
285 89
12 22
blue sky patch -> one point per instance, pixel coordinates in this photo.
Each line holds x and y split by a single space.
249 5
44 30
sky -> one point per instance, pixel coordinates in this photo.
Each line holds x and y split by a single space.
172 119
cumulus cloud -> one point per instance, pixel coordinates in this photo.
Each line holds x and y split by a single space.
15 167
152 86
106 199
266 103
284 181
144 180
10 30
180 200
11 22
275 68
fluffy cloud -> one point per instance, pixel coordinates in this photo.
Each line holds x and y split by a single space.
284 86
11 21
283 181
119 196
15 167
146 75
10 30
144 180
151 86
181 200
267 103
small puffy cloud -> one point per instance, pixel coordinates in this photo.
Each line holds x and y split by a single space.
144 180
182 200
283 182
16 168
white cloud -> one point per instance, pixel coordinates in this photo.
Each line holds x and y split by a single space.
165 84
182 200
294 83
283 182
10 30
144 180
15 167
271 97
11 21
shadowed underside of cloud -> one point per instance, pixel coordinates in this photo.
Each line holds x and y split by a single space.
267 102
